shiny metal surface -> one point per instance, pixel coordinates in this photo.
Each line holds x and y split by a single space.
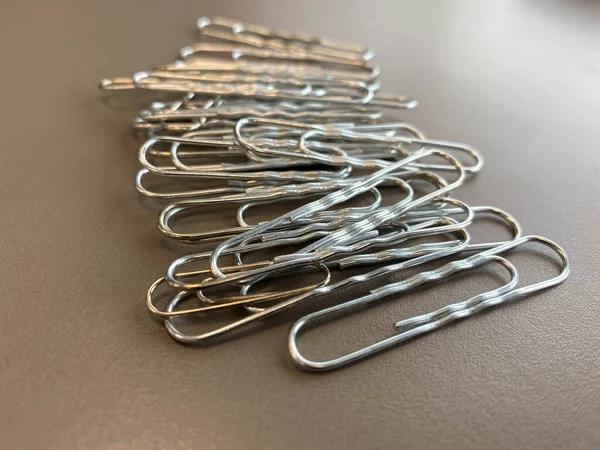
81 365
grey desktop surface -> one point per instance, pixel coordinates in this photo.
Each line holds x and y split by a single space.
82 365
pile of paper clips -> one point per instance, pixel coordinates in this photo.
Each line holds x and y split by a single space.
290 116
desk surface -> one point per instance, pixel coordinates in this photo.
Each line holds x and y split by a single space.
83 366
